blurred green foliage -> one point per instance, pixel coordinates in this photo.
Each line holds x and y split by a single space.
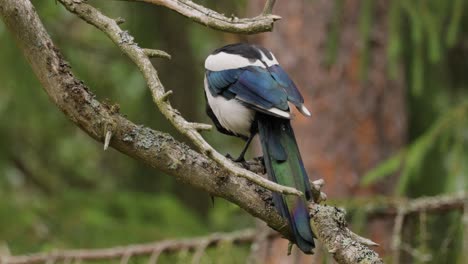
428 39
59 189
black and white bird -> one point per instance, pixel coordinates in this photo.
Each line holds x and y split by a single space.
248 92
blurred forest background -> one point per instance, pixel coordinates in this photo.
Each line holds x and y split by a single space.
387 83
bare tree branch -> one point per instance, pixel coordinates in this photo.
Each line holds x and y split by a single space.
157 149
465 230
198 246
385 207
396 234
347 246
154 53
421 205
340 242
125 42
212 19
126 252
268 9
401 208
435 203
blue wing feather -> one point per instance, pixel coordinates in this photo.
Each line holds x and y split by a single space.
260 83
246 95
219 81
294 96
264 88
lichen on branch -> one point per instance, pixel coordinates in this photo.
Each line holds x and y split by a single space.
211 172
210 18
125 42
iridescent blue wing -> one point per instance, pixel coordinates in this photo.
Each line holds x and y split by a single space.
220 81
252 85
282 78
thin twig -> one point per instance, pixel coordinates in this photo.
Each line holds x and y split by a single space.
449 238
215 20
199 252
152 53
268 9
154 256
362 240
125 42
157 149
107 139
465 230
316 188
166 95
199 126
396 235
125 257
258 243
388 206
119 20
423 234
416 254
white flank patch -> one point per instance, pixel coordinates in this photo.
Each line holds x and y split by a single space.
231 114
304 110
225 61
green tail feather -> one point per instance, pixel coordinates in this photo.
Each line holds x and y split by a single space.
284 166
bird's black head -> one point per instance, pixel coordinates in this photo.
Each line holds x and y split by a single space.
251 52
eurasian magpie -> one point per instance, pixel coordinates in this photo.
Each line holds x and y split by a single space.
248 92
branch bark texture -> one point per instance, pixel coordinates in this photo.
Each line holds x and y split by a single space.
434 204
196 245
159 150
79 104
212 19
126 44
431 204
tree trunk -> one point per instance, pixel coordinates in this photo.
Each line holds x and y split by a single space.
358 116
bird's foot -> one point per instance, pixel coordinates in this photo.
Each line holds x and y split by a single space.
260 159
238 159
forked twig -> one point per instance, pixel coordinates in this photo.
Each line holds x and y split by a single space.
125 42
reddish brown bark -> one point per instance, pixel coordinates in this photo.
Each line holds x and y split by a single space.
356 122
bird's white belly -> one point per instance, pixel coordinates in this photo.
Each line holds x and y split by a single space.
231 114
